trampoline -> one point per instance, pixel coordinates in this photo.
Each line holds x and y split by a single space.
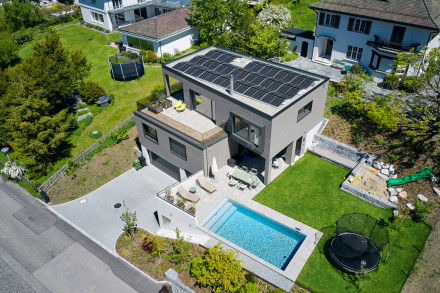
358 242
123 69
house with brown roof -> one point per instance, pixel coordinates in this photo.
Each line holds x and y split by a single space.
372 32
162 34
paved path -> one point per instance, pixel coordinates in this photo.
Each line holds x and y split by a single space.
98 217
39 252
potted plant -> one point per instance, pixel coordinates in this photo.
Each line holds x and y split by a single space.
192 209
165 103
155 107
181 203
170 198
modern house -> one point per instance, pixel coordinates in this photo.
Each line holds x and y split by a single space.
111 14
162 34
236 104
372 32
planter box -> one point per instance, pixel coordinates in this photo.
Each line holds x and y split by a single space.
155 108
165 103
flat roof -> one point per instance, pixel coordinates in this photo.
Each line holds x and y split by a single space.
266 86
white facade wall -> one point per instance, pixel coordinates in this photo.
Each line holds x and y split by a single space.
298 42
181 42
343 38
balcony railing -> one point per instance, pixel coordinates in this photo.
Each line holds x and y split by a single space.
120 7
392 46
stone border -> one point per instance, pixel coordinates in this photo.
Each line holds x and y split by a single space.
178 286
368 197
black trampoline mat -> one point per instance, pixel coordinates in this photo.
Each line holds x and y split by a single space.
128 70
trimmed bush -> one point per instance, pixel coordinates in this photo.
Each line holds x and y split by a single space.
167 57
95 134
87 121
356 69
392 80
409 84
151 57
90 92
134 56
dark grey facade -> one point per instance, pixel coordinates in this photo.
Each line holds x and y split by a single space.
238 120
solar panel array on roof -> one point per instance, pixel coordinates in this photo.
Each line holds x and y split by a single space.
257 80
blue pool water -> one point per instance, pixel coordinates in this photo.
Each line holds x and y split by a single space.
261 236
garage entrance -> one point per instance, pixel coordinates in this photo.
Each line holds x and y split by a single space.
165 166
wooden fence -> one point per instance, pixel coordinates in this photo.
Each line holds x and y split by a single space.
81 158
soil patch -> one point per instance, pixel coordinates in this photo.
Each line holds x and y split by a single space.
101 169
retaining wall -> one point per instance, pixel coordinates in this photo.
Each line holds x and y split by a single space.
178 286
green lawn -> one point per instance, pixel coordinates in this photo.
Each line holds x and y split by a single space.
302 16
126 93
309 192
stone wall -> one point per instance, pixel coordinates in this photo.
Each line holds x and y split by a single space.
368 197
178 286
341 149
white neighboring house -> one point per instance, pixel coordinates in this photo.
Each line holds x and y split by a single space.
161 34
110 14
372 32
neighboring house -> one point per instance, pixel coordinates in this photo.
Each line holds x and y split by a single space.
372 32
162 34
299 40
271 110
110 14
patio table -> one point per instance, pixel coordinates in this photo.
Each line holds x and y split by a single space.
243 176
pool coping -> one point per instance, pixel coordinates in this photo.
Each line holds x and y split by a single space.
284 279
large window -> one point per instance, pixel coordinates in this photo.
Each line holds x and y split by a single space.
139 44
150 132
246 130
304 111
98 17
328 19
117 3
397 34
354 53
359 25
178 149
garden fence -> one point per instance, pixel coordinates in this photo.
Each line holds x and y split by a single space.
81 158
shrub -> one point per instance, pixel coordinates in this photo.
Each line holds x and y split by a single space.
249 288
289 57
87 121
77 132
332 91
409 84
392 80
356 69
181 249
95 134
134 56
250 278
21 37
90 92
123 53
219 269
143 53
118 136
167 57
423 210
151 57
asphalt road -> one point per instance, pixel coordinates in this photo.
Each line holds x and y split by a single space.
39 252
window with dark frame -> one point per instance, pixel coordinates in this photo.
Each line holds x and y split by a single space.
359 25
327 19
150 132
304 111
178 149
246 130
354 53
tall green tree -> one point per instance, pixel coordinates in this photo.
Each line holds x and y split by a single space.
8 50
38 122
21 14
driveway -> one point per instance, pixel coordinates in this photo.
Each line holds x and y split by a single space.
101 220
39 252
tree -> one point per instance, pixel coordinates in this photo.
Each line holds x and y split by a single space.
220 269
21 14
13 169
264 42
277 16
8 52
37 123
130 222
90 92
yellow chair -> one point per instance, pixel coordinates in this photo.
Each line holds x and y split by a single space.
179 103
181 108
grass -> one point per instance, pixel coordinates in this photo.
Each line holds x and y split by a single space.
309 192
302 16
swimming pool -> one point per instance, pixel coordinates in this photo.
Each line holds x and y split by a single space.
261 236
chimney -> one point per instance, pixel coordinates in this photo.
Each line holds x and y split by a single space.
231 87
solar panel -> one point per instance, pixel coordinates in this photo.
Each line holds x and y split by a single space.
225 69
194 71
199 60
208 76
271 84
268 98
255 93
213 54
211 64
307 82
288 90
226 58
258 80
240 87
272 71
221 81
277 101
240 73
255 66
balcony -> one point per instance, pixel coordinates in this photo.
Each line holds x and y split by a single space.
391 47
190 123
158 3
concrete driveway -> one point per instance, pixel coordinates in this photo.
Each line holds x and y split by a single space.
101 220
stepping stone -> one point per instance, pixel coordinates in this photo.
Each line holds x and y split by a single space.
421 197
436 191
400 189
385 172
392 191
393 198
392 170
394 176
385 166
376 165
83 110
410 206
381 176
83 116
403 194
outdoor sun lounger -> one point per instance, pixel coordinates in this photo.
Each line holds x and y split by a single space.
187 195
205 184
179 103
181 108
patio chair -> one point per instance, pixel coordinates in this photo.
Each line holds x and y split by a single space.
179 103
242 186
205 184
181 108
187 195
253 171
244 168
276 164
230 171
232 182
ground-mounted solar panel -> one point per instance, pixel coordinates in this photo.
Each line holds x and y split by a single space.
288 90
222 81
271 84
